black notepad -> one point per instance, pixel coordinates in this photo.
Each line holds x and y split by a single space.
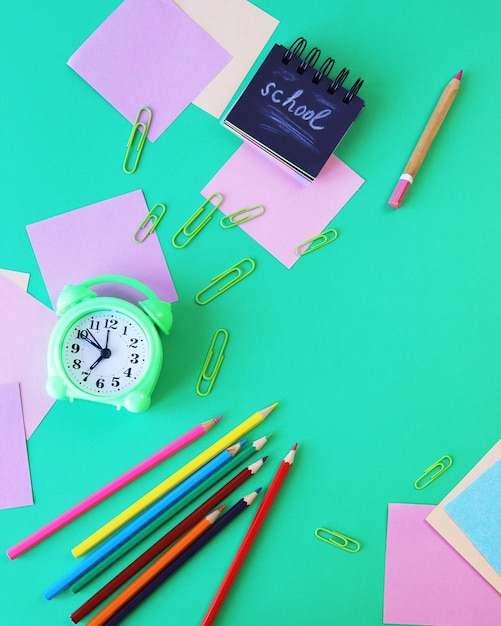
294 112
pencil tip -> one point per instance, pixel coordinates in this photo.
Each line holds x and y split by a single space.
459 74
294 447
268 410
208 424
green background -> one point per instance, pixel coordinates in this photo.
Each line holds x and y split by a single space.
382 349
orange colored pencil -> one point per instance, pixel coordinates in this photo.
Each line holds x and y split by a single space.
249 538
167 557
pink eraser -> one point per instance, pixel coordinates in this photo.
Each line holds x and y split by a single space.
399 193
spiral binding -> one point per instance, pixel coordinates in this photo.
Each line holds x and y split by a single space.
311 58
296 50
338 81
324 70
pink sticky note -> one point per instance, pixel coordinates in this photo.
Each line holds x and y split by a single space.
294 210
15 481
24 349
96 240
149 53
426 581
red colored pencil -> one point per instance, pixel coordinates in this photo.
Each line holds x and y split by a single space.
249 538
164 542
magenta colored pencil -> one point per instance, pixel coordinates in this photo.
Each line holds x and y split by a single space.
111 488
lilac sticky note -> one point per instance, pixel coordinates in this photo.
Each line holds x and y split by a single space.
24 349
426 581
149 53
15 481
294 210
96 240
477 511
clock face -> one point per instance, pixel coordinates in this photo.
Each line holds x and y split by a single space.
105 353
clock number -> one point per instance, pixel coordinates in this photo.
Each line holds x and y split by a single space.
77 364
134 358
111 324
100 383
133 343
115 381
85 376
128 372
75 348
94 324
82 334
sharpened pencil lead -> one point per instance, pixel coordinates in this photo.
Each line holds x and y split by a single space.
268 409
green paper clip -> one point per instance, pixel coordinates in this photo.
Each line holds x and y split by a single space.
142 128
239 275
202 388
184 230
154 217
345 543
228 221
440 468
317 242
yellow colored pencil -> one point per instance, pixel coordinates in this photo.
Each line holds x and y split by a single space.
169 483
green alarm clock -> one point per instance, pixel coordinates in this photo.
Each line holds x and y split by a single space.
106 349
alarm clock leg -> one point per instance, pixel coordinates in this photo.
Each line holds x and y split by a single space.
56 387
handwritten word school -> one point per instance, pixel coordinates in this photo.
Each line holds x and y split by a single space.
291 105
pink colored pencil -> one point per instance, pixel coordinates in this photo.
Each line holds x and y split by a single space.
111 488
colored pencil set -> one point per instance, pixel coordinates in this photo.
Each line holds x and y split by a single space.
174 548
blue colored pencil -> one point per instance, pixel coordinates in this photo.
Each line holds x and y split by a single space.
140 522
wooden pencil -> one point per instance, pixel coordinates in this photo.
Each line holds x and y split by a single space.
221 523
249 538
423 145
164 542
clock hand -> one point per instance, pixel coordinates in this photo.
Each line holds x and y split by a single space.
92 343
96 362
95 342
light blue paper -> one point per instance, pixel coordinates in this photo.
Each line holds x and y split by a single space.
477 512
